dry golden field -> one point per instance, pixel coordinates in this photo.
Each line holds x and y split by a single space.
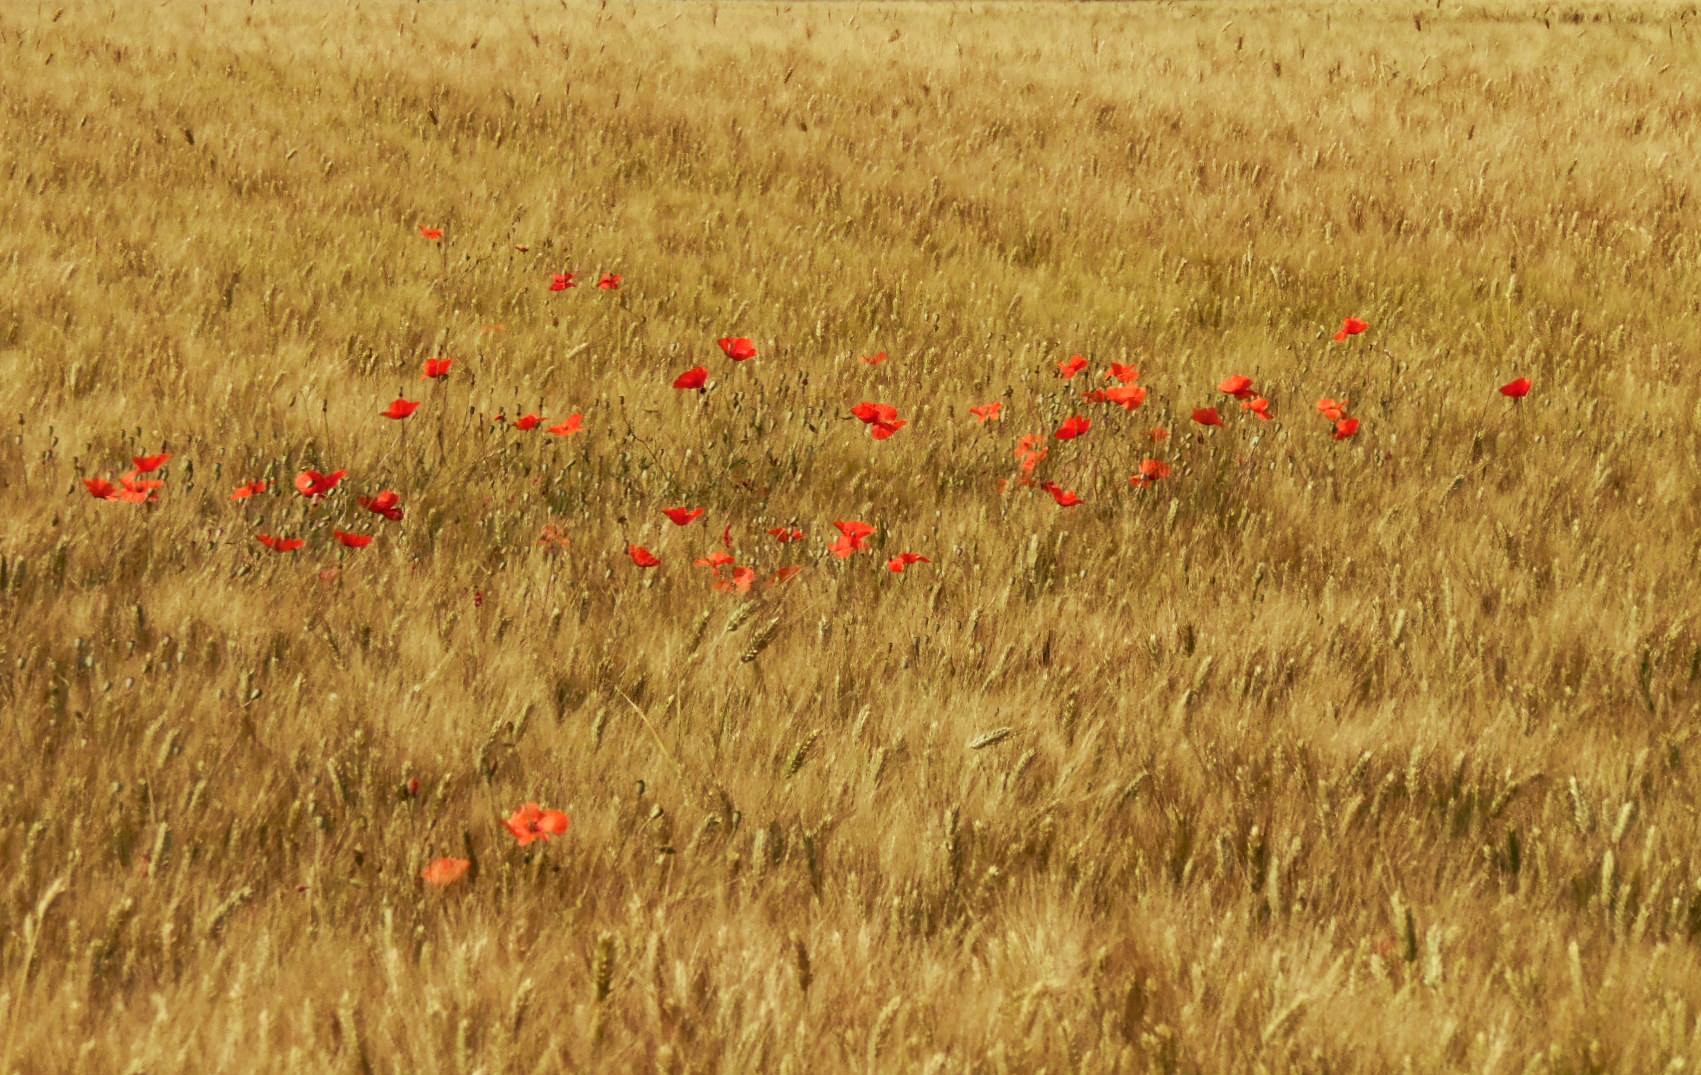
1369 754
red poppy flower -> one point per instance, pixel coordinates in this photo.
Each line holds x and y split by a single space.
532 822
882 419
1207 416
436 368
147 464
1332 409
353 541
251 489
1068 368
783 535
101 489
575 423
641 556
313 485
388 504
1064 497
897 563
1160 434
682 516
1258 406
852 536
1030 451
740 581
445 872
1237 386
1130 397
695 377
281 544
400 409
609 281
1345 428
561 281
528 422
737 348
987 412
1124 374
1352 326
872 360
1516 390
431 233
1150 471
714 559
1073 427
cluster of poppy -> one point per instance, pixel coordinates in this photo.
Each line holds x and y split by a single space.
529 824
132 488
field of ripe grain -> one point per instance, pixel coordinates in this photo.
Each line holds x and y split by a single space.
1283 744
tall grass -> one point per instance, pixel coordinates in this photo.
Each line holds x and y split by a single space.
1366 755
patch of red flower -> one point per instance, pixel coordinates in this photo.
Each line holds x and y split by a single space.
737 348
1259 406
313 485
147 464
529 422
1207 416
433 234
1332 409
1345 428
281 544
243 492
101 489
1151 470
1517 389
897 563
608 281
852 537
1068 368
1352 326
881 418
561 281
695 377
1238 386
1121 373
783 535
532 822
387 503
641 556
1064 498
872 360
1030 451
353 541
575 423
436 368
1072 427
445 872
987 412
1130 397
400 409
683 516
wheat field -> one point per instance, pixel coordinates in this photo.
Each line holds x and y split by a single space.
1367 753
